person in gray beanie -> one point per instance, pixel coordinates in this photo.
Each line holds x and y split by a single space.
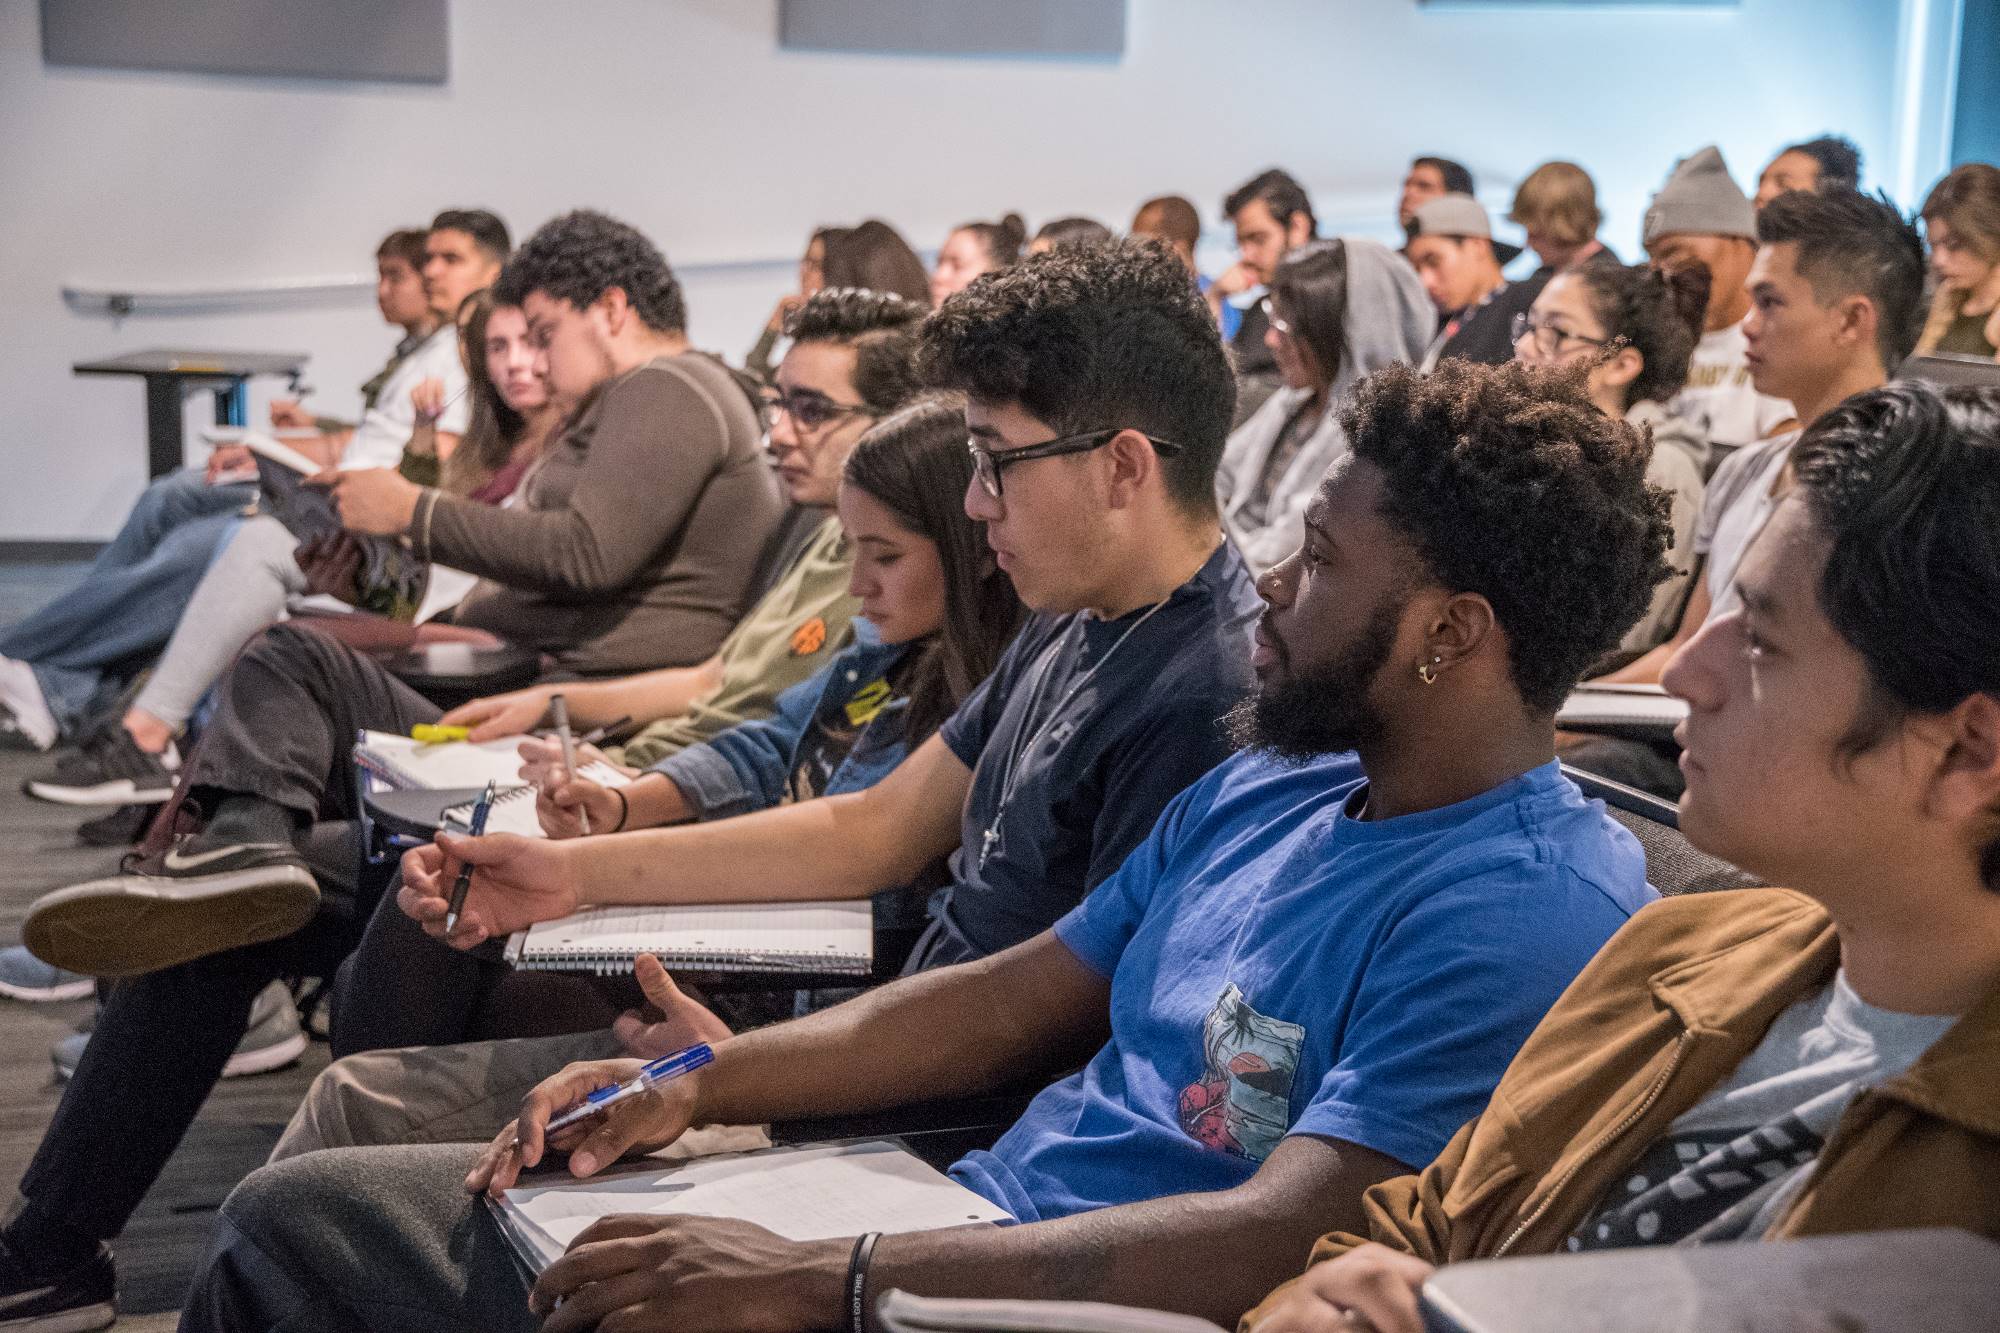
1702 217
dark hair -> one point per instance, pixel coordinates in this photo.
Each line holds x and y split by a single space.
1510 484
1282 194
1107 335
1001 240
1838 159
493 428
1657 314
1457 180
915 463
1180 223
874 255
1309 288
406 244
1967 199
1852 244
882 329
487 231
581 255
1904 483
1074 231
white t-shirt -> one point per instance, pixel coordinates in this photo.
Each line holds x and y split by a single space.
385 428
1734 510
1719 402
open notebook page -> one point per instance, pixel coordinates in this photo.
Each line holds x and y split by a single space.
817 1192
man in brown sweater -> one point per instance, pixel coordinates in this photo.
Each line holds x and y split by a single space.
633 542
1760 1063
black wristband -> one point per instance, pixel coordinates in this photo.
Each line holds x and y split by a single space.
857 1282
624 811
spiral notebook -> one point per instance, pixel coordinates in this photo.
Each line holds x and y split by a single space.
1634 709
813 937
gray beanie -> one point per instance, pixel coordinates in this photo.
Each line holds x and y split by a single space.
1700 197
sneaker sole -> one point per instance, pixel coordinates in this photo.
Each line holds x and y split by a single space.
83 1319
69 990
121 792
133 924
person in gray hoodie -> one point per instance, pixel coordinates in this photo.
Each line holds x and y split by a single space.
1338 310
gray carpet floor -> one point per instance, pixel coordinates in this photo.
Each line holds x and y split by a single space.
157 1254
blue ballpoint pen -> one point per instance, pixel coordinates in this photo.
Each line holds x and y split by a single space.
659 1071
480 810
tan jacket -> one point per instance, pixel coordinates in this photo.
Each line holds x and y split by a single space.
1669 1008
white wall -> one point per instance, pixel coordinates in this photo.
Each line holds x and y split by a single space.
681 116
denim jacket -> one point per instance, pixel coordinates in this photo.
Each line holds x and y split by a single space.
749 766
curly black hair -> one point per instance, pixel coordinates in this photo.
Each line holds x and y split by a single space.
1092 337
881 327
1657 313
1837 157
581 255
1509 483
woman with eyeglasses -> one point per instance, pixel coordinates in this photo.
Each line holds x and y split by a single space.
1636 327
1338 310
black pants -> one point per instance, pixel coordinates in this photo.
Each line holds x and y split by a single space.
285 730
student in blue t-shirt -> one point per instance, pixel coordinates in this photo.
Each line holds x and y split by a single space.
1308 975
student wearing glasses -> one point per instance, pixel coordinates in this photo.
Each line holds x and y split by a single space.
1635 328
1338 311
1099 401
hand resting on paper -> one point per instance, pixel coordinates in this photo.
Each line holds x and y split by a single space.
1370 1287
500 715
691 1274
516 883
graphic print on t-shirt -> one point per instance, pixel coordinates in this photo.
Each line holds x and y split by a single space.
1241 1105
1701 1186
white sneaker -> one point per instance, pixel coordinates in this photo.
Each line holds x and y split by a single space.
22 708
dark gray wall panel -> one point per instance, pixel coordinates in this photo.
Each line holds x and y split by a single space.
1093 29
401 41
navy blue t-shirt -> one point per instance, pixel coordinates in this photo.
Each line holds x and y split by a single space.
1280 968
1105 759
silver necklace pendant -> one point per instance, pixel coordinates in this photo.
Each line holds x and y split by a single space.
987 842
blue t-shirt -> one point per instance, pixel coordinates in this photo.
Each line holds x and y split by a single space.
1095 732
1278 968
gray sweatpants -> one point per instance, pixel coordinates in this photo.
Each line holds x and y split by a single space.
243 591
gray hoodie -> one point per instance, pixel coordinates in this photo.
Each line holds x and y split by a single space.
1389 319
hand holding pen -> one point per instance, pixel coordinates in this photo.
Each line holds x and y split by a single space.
463 885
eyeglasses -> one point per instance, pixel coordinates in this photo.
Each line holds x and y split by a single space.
1284 330
988 465
1549 338
810 411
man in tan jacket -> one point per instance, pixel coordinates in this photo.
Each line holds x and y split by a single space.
1763 1064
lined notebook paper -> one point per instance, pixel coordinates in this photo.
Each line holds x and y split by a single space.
816 1192
1642 708
407 764
901 1312
746 937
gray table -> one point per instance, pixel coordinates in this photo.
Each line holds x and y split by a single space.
170 374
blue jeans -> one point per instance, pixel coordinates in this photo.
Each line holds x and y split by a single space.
126 608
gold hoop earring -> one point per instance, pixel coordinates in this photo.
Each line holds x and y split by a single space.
1427 671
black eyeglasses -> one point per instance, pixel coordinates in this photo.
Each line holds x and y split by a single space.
1549 338
810 411
988 465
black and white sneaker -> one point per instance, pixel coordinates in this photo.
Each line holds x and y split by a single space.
81 1299
107 769
169 909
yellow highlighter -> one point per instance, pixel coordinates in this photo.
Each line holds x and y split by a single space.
427 733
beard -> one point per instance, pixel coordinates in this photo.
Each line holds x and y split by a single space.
1323 710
